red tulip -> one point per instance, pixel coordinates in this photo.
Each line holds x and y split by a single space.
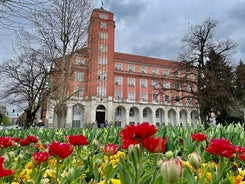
78 140
155 145
110 149
40 157
16 139
24 142
32 139
60 150
6 142
127 142
138 132
242 156
4 172
221 147
198 137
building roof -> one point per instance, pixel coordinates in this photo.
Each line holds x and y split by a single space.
144 60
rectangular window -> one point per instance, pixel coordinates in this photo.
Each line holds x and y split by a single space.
165 72
118 66
167 98
103 25
101 91
143 83
154 70
176 73
102 61
155 84
131 96
102 76
118 94
188 87
78 93
79 76
76 123
103 48
131 81
143 69
166 85
80 61
177 86
118 80
155 97
103 35
103 16
143 97
188 100
131 68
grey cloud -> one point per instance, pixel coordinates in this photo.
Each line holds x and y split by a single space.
128 10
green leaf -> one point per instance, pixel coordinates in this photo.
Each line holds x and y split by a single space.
124 175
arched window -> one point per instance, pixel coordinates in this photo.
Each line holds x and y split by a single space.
144 113
157 113
131 112
118 111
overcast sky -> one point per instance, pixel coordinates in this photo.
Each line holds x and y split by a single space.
155 27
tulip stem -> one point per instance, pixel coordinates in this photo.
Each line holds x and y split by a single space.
57 168
156 168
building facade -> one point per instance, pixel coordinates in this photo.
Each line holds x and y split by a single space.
122 89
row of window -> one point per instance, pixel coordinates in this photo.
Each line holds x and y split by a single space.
143 69
155 83
144 97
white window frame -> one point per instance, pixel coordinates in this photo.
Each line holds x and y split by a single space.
102 61
131 81
103 48
118 66
101 91
143 83
102 76
118 94
166 85
165 72
143 69
79 76
154 71
118 80
155 83
143 97
103 35
103 16
103 25
155 97
131 68
131 96
80 61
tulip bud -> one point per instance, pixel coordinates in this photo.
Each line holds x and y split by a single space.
171 170
195 160
110 149
169 154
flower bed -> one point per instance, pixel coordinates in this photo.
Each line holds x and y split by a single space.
133 155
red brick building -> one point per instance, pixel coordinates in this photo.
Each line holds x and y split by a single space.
121 88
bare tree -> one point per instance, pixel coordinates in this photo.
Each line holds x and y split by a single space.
25 82
15 13
61 27
198 45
